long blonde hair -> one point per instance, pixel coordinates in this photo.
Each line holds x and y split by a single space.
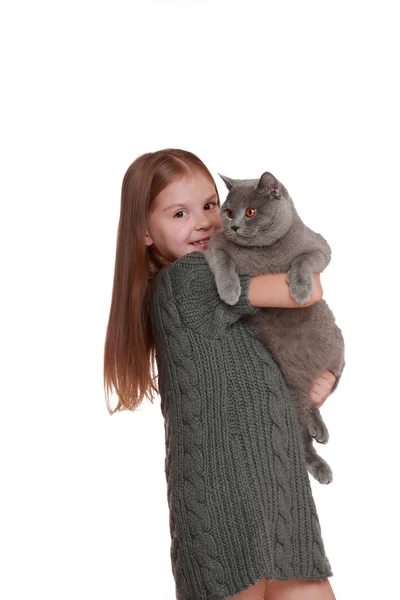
129 352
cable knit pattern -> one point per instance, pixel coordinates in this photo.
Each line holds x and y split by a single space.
238 491
284 527
202 539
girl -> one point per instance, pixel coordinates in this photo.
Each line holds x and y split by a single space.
243 521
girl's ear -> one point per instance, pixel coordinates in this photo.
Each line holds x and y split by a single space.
148 240
228 181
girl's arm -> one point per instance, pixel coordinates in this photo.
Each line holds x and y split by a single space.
272 289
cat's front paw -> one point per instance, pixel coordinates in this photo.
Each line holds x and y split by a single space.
300 289
229 293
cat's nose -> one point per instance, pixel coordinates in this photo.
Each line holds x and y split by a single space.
234 227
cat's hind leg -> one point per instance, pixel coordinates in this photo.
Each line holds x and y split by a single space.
316 465
316 426
310 416
312 427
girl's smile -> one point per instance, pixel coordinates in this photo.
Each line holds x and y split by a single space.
202 243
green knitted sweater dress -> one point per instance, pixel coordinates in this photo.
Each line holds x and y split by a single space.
239 496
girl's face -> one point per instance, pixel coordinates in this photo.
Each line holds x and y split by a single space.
186 211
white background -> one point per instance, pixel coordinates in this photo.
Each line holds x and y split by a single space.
307 90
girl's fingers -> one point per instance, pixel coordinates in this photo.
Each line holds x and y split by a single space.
329 376
322 387
317 401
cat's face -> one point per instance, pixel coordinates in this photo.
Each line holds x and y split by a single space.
256 212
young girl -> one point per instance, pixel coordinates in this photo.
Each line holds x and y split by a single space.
243 521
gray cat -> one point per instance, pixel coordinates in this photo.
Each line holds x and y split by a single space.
262 233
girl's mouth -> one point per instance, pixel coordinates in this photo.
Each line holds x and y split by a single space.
201 243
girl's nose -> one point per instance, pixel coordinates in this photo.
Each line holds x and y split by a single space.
203 223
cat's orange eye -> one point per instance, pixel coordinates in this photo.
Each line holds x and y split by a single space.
250 212
229 213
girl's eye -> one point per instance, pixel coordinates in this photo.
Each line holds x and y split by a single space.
182 211
250 212
229 213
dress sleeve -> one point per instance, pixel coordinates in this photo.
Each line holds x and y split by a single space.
189 283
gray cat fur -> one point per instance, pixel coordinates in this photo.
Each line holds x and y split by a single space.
302 341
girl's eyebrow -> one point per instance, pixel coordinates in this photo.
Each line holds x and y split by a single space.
180 204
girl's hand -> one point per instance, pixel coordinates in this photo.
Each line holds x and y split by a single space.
322 387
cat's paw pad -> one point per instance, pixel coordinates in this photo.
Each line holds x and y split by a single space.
230 294
301 291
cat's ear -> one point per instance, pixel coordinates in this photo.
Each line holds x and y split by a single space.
228 181
267 180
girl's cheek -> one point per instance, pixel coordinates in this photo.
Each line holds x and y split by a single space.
184 230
